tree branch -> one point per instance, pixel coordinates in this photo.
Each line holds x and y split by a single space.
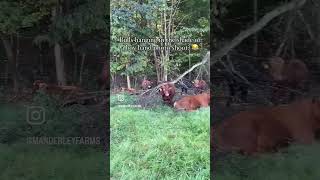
286 35
311 34
256 27
204 60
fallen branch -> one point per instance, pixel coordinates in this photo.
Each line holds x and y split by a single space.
204 60
285 38
256 27
238 39
307 25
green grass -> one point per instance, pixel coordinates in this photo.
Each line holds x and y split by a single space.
21 161
298 163
159 143
35 162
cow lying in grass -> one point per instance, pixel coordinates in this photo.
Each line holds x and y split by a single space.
268 128
52 89
190 103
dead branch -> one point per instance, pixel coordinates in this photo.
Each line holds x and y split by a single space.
286 36
204 60
256 27
307 25
238 39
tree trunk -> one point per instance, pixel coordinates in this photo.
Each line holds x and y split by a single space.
11 55
189 65
255 19
75 65
165 60
112 80
58 53
83 57
318 33
59 64
157 65
128 79
128 82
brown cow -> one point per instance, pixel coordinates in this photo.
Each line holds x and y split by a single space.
190 103
128 90
293 74
54 89
167 92
200 85
146 84
38 85
265 129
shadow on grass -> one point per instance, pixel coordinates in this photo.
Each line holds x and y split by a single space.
294 163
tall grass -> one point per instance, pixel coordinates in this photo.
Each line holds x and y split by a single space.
297 163
22 161
35 162
159 143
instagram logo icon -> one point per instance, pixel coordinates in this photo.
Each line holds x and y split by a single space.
35 115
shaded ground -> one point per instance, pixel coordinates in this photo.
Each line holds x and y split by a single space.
295 163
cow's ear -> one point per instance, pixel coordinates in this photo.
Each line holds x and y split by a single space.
160 89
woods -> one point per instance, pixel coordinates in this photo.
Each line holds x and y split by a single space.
53 84
154 21
160 75
52 33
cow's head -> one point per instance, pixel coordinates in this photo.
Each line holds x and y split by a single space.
275 66
39 85
167 90
199 83
146 84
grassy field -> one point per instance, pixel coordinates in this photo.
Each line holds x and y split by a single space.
297 163
159 143
30 162
22 161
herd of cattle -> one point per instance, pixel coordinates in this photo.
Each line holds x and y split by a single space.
262 129
268 128
190 102
168 90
